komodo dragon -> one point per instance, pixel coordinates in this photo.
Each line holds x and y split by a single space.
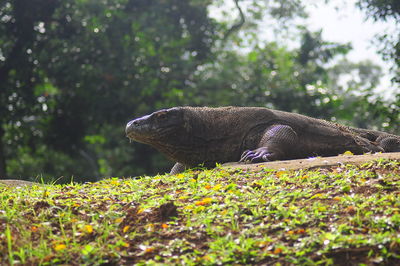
193 136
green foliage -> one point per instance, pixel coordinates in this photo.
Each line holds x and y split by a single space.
74 72
386 10
342 215
381 9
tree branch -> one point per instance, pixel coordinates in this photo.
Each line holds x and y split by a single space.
239 24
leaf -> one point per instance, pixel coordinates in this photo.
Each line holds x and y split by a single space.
277 250
88 229
348 153
203 202
281 173
252 56
318 195
217 187
87 249
59 247
34 229
164 226
95 139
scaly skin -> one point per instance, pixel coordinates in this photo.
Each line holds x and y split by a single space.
193 136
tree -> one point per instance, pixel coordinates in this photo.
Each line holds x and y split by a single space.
20 29
74 72
386 10
96 63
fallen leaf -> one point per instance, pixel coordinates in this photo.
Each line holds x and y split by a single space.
277 250
165 226
88 228
59 247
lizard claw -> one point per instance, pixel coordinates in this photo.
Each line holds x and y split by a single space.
244 155
256 156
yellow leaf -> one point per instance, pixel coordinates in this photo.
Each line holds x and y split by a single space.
88 228
318 195
59 247
348 153
280 173
126 228
207 200
189 207
118 220
199 209
217 187
114 182
180 175
148 250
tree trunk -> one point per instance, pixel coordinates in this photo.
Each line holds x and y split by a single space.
3 169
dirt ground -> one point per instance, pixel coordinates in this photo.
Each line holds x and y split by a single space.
315 162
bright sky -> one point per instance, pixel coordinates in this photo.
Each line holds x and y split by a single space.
348 24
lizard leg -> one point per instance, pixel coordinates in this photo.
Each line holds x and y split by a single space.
389 144
276 141
177 168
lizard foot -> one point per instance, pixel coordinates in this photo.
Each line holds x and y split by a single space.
390 144
256 156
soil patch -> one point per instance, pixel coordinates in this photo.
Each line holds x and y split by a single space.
315 162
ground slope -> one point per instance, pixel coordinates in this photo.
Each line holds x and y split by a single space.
342 213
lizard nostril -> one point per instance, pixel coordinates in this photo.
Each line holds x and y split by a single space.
130 124
134 123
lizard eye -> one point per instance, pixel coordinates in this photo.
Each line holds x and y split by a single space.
162 115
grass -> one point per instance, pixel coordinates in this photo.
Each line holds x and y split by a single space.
347 214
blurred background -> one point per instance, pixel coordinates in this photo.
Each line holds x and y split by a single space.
73 72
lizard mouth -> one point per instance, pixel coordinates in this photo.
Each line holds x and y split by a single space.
137 130
154 128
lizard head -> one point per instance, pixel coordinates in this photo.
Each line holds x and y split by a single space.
156 128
